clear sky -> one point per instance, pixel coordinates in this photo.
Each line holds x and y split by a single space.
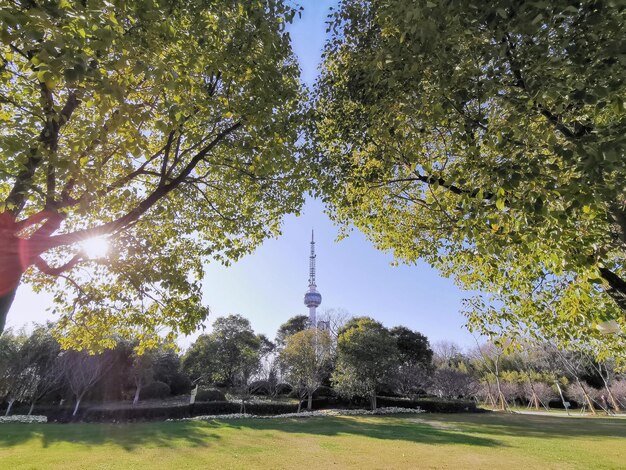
268 286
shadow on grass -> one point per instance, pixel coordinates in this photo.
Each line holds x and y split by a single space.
484 430
205 433
127 436
518 425
388 428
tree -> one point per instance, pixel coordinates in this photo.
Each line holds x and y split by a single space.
413 347
229 355
538 393
447 354
167 369
166 130
291 327
142 371
14 384
307 357
42 373
487 139
366 355
411 379
335 319
82 371
199 360
451 383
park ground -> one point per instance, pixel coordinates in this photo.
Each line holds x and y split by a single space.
488 440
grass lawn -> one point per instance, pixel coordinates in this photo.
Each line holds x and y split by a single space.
454 441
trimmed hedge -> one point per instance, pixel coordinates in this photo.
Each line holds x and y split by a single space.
431 405
64 415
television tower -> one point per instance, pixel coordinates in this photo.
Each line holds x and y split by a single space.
312 298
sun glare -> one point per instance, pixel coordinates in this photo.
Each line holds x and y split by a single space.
95 247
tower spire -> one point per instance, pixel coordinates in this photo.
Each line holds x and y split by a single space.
312 284
312 298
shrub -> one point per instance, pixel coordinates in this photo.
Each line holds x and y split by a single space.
260 387
161 413
180 384
155 390
283 389
210 394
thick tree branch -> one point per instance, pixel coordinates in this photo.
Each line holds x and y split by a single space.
617 287
49 138
158 194
44 267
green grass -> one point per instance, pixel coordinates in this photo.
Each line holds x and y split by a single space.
455 441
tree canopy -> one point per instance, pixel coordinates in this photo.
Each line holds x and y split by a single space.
229 355
307 358
366 355
167 128
291 327
486 138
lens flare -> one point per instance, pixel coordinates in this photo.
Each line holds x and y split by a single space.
96 247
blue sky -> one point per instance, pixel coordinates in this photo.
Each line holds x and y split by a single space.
268 286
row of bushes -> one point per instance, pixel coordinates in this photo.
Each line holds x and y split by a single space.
63 415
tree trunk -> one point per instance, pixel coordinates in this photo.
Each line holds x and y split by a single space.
562 397
501 398
137 392
309 404
77 405
6 301
299 404
373 401
587 397
9 407
611 400
30 410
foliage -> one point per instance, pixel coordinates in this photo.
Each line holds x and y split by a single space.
413 347
155 389
229 355
125 121
210 394
486 138
291 327
167 368
14 384
366 354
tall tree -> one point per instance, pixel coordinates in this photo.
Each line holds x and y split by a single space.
488 139
366 356
165 129
307 357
